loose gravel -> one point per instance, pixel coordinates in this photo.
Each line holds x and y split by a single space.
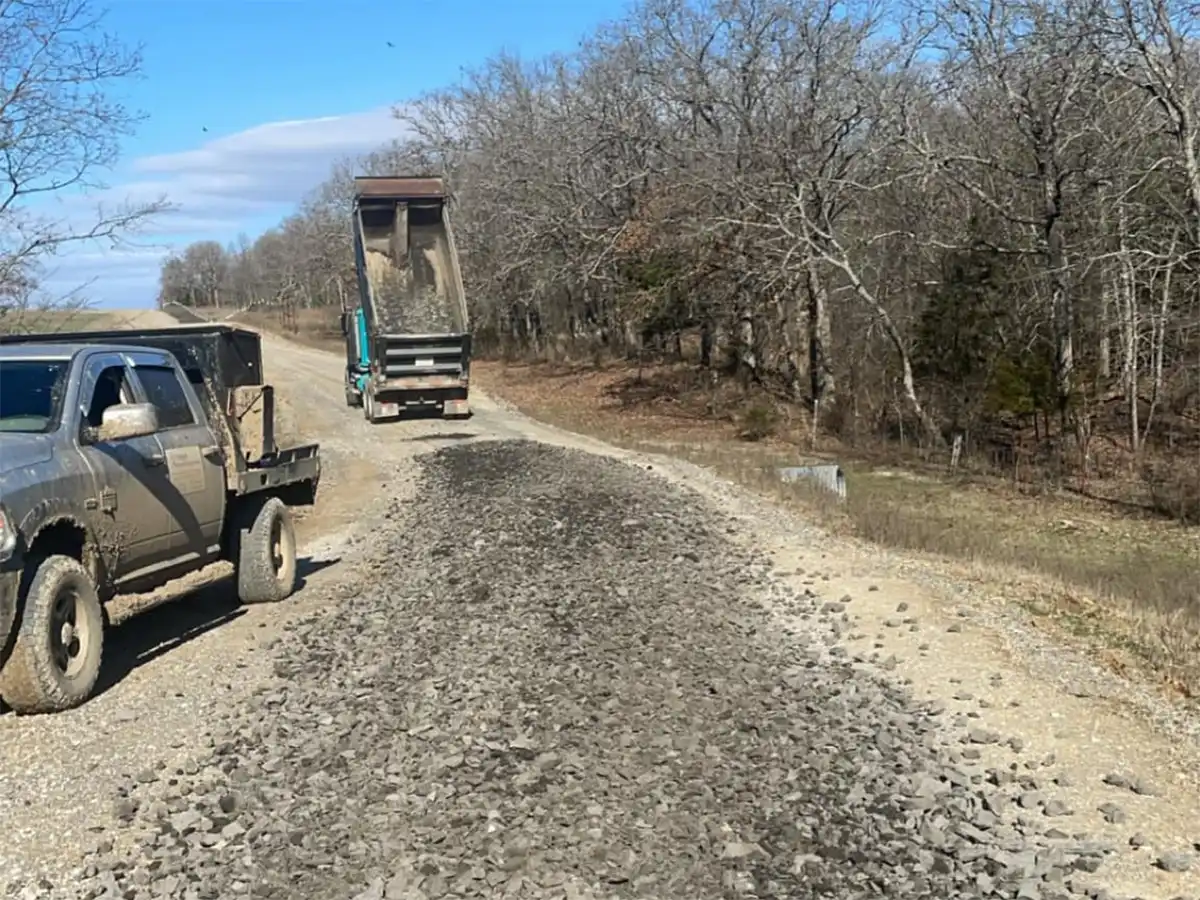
415 298
556 677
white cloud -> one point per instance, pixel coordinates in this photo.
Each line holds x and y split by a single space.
266 165
239 182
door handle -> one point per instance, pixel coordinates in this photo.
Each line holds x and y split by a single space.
154 459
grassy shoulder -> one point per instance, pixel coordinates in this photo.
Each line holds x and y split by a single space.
52 321
1124 584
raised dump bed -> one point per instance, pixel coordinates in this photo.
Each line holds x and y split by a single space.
413 283
407 340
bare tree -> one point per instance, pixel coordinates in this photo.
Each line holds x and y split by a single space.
60 128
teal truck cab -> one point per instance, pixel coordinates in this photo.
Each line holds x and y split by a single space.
407 341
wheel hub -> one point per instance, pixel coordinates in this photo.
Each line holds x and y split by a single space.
67 636
277 548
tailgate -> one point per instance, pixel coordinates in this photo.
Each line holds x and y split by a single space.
423 355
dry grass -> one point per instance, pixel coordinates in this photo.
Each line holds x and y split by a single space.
312 327
1124 583
50 321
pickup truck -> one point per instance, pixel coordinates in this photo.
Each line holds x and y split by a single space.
129 459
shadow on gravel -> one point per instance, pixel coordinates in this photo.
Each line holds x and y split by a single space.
306 566
145 637
425 414
158 630
453 436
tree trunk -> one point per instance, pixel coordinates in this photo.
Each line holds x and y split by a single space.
1105 344
1130 324
907 380
1060 298
820 339
791 328
707 340
747 363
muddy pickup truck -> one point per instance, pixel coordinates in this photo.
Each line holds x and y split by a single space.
129 459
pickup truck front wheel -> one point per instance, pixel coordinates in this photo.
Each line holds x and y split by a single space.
55 659
266 554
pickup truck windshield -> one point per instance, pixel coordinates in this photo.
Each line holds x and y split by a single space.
31 393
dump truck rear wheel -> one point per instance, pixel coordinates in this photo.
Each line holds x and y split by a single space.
55 660
266 554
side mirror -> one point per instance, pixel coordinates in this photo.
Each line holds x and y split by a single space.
128 420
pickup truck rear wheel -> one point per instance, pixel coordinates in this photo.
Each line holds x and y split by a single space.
56 657
266 556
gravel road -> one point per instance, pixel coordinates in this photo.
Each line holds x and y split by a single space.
523 670
554 677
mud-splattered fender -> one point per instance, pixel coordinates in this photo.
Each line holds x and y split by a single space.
53 510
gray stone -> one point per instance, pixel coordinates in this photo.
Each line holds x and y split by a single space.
1113 814
1174 861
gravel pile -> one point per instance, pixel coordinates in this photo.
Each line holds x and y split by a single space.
416 298
555 679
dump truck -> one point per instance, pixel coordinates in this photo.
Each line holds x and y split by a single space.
129 459
407 340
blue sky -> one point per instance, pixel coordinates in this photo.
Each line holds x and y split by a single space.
285 88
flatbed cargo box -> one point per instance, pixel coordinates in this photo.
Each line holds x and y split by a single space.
229 356
223 362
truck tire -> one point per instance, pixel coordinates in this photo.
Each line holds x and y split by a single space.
56 657
266 553
369 408
353 398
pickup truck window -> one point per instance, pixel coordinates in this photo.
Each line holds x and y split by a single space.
165 391
111 389
31 394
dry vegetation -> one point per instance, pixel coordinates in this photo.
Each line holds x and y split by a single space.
955 240
312 327
29 321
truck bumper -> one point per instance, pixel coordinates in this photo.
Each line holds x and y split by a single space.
394 395
10 583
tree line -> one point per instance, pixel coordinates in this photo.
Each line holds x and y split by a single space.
940 218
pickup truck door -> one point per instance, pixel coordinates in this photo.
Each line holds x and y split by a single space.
194 463
129 475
